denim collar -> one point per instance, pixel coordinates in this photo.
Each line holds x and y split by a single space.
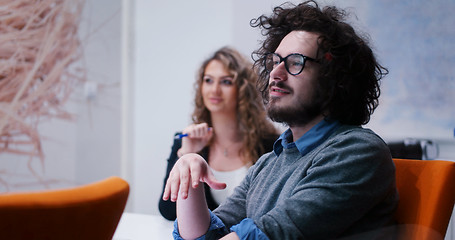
310 140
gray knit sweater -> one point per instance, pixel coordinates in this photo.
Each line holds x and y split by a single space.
345 186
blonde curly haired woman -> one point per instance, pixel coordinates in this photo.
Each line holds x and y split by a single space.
230 128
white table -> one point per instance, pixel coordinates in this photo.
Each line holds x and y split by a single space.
135 226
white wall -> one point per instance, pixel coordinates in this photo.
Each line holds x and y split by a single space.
171 41
99 120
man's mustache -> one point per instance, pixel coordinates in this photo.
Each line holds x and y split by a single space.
279 84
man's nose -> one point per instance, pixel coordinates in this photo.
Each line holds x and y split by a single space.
279 73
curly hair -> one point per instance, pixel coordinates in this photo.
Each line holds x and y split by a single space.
349 77
252 118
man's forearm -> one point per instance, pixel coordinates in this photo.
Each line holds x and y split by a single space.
231 236
192 214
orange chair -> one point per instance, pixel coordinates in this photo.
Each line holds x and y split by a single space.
427 197
86 212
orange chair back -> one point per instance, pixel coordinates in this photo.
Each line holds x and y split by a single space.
427 197
86 212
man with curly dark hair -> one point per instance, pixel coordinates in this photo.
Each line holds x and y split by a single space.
327 176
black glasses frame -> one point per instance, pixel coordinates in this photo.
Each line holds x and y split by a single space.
305 58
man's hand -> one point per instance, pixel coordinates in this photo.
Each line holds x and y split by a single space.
190 168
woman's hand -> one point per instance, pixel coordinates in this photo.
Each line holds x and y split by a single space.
198 137
189 169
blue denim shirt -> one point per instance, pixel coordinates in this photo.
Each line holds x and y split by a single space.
311 139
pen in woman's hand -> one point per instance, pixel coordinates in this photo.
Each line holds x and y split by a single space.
181 135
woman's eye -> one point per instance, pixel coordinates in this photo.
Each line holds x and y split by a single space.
208 80
227 81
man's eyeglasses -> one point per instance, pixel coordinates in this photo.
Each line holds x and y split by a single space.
294 62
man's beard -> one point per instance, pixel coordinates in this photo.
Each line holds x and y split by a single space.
299 114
